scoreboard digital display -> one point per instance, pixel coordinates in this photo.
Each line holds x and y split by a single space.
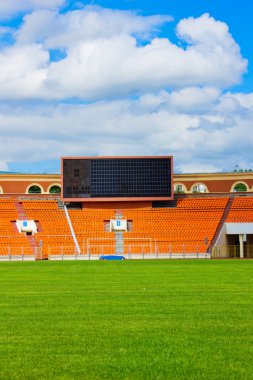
116 178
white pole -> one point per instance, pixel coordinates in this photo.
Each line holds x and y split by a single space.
72 230
241 246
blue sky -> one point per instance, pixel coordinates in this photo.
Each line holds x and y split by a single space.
126 77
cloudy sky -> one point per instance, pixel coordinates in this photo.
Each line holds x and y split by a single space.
129 77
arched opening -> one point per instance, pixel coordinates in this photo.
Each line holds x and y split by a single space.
240 186
179 188
199 188
34 189
1 190
55 189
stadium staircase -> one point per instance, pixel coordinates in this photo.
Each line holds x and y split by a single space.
11 241
32 241
54 234
119 241
107 226
15 228
60 204
22 216
20 209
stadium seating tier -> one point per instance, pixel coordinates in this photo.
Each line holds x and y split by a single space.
189 227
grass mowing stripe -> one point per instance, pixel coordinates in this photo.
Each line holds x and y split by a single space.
126 320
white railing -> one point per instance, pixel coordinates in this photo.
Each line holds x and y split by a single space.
72 229
96 251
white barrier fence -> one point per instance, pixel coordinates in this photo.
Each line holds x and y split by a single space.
96 251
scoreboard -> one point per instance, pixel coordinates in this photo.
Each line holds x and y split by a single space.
116 178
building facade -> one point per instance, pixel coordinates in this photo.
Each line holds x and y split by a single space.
50 184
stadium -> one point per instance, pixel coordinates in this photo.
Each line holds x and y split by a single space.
132 207
71 308
126 190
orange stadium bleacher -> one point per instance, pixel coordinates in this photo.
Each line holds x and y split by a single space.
11 241
189 228
241 210
89 227
54 234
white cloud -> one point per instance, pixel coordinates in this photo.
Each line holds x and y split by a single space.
67 29
103 59
194 98
9 8
4 166
199 168
23 70
246 100
103 56
204 140
211 39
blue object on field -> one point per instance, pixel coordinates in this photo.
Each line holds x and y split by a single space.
112 257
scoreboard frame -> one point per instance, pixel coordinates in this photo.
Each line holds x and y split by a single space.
113 199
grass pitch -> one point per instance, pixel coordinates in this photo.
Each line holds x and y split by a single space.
126 320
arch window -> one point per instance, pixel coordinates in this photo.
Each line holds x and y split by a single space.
240 187
199 188
55 189
34 189
179 188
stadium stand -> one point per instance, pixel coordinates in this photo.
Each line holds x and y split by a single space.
11 241
53 229
90 229
125 205
189 227
241 210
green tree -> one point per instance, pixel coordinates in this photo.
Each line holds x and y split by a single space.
34 189
55 189
240 187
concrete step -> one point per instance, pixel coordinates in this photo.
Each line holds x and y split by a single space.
20 210
60 204
118 214
107 226
15 228
39 227
119 243
32 241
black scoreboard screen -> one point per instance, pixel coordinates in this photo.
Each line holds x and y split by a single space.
108 178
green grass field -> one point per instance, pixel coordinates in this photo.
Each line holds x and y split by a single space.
174 319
